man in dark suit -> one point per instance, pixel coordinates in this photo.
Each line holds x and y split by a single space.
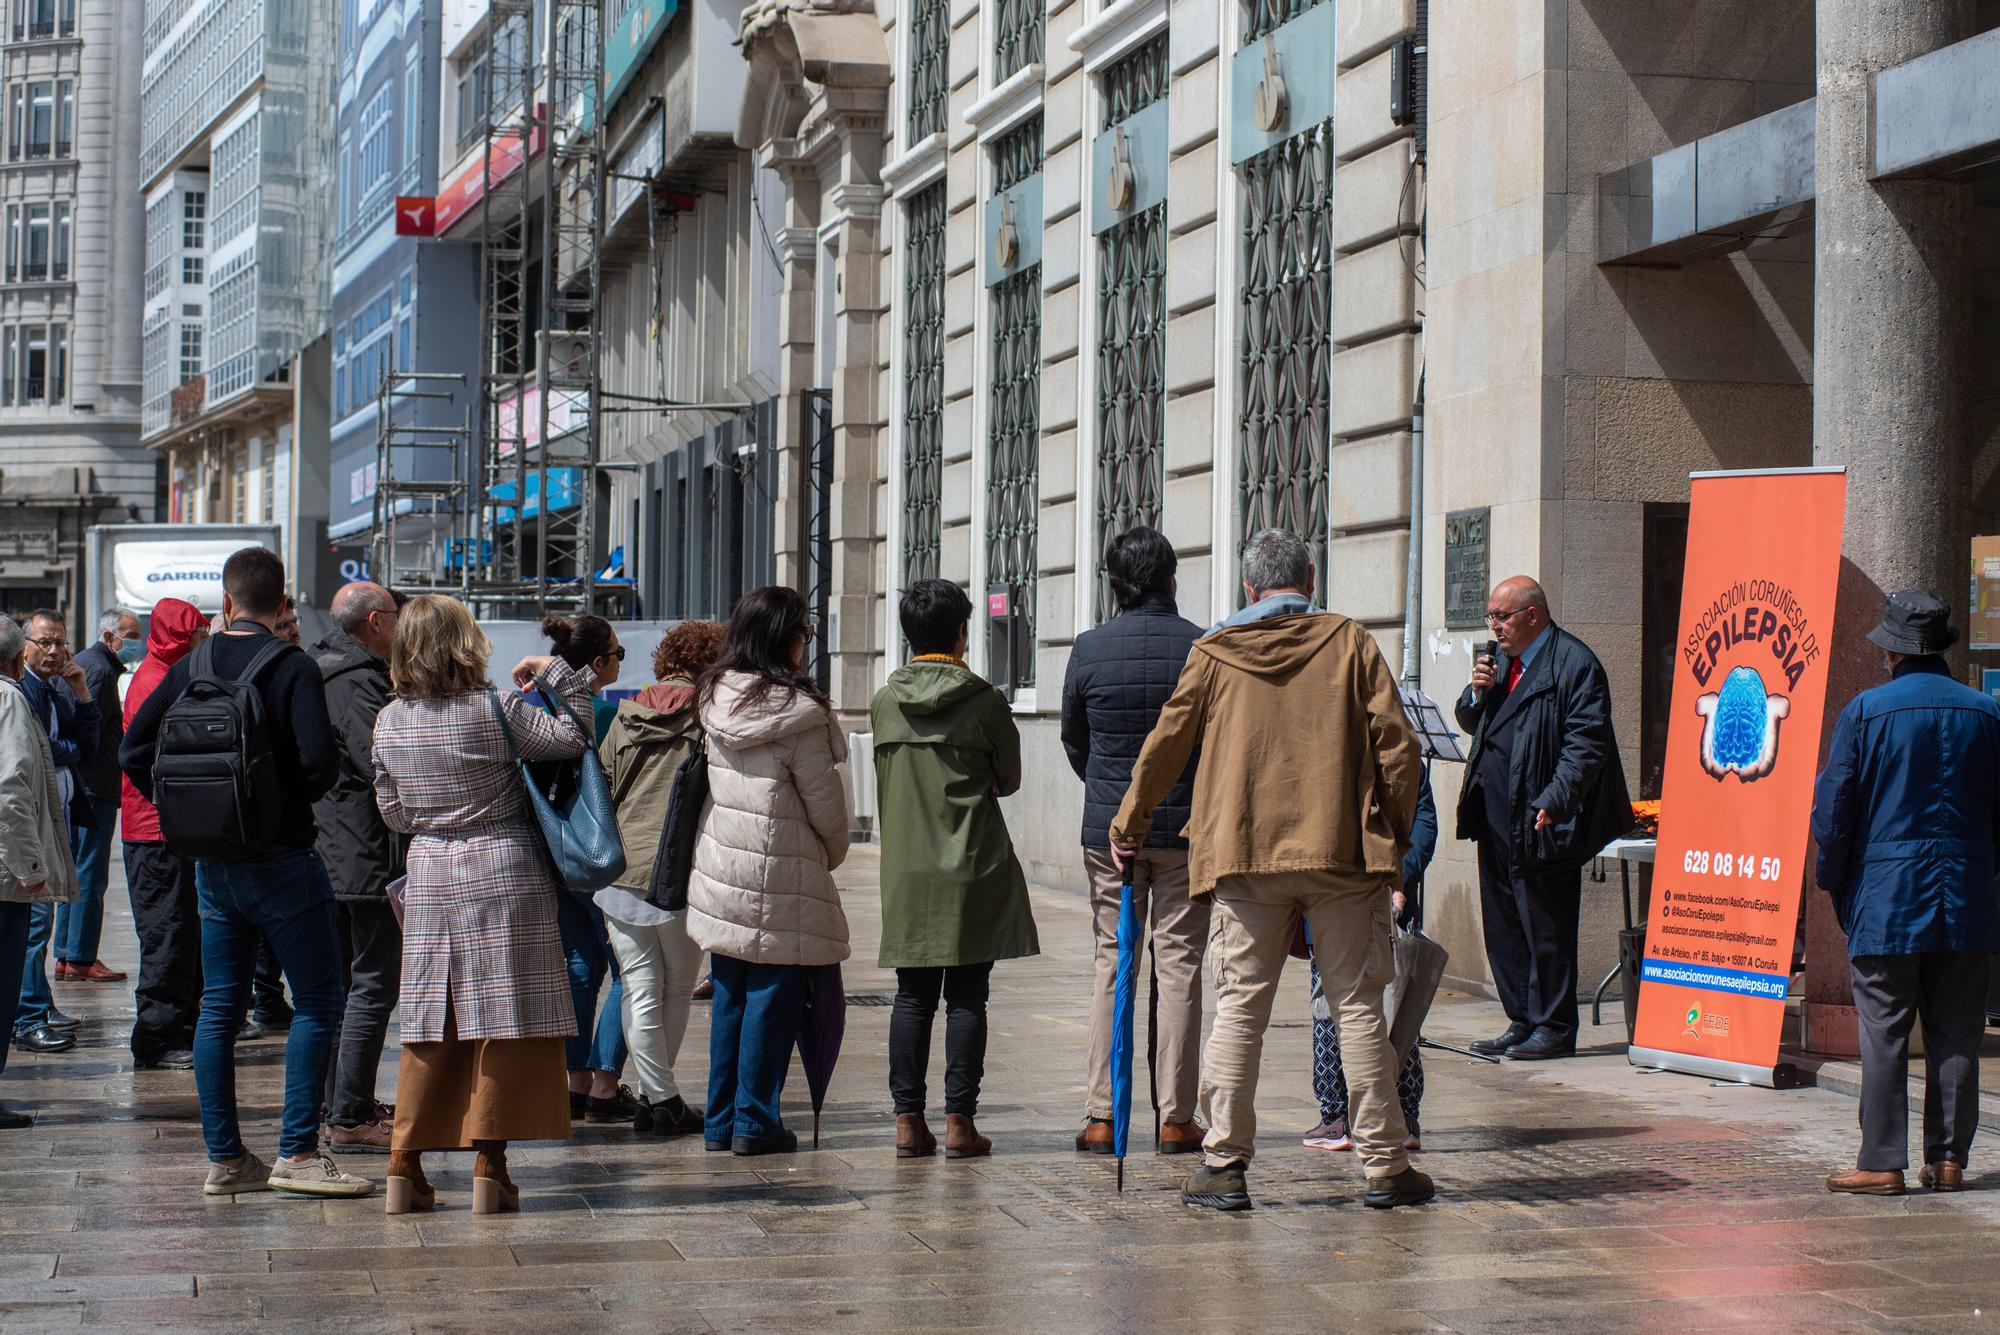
119 644
1544 792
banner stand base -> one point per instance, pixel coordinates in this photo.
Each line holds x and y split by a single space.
1784 1075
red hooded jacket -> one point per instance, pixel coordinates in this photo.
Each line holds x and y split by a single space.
172 635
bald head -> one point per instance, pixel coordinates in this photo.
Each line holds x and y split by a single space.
368 613
1517 612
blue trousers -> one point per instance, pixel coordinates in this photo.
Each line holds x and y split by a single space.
36 1002
287 897
1330 1081
753 1025
599 1041
13 953
79 925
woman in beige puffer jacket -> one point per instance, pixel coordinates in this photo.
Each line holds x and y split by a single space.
761 899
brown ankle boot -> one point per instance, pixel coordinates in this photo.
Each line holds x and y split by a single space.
492 1190
962 1139
913 1139
407 1188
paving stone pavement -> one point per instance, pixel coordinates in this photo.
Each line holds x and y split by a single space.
1577 1195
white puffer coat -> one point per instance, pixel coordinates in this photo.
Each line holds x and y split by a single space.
774 829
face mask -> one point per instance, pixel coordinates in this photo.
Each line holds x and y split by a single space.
131 651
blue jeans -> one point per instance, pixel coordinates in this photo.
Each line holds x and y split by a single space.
288 898
13 953
588 947
79 925
37 1003
753 1025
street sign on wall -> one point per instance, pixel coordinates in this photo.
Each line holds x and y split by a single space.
1986 593
1466 567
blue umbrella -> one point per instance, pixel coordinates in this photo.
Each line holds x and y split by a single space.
1131 940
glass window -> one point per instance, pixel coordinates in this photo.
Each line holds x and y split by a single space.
194 213
472 99
923 385
9 366
59 270
41 15
35 267
58 363
378 147
930 50
65 117
16 104
13 243
413 102
190 351
193 270
67 26
34 364
41 118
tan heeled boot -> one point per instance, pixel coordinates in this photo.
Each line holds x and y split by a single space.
407 1188
914 1139
493 1192
962 1139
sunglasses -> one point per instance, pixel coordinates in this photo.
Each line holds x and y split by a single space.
618 653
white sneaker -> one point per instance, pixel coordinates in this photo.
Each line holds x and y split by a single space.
247 1174
1330 1136
317 1175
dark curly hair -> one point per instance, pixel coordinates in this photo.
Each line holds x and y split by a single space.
688 649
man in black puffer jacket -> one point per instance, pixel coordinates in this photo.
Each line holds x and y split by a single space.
1119 677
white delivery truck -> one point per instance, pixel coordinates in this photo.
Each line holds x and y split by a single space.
136 565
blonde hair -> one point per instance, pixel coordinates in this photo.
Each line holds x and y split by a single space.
439 651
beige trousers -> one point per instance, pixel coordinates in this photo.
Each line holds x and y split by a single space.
1179 928
1252 929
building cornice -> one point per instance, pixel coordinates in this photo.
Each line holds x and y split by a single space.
1018 97
1117 31
917 168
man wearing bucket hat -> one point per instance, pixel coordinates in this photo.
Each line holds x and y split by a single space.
1907 816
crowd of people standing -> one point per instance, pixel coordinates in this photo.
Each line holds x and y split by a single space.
360 822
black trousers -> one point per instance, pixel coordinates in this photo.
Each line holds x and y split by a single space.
1529 921
1947 988
267 985
371 953
168 918
964 988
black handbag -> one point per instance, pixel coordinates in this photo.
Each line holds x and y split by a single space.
578 826
674 861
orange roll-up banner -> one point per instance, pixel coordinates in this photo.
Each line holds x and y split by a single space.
1750 675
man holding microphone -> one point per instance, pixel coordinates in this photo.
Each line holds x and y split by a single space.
1544 792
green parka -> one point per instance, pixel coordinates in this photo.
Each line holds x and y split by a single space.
946 751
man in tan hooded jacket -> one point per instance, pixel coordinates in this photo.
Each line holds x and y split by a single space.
1302 807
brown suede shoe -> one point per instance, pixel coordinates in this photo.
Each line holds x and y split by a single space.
1180 1137
1095 1138
962 1139
1861 1182
1944 1175
913 1139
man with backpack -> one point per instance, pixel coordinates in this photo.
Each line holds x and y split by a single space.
233 749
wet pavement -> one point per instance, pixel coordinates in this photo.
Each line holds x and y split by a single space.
1577 1195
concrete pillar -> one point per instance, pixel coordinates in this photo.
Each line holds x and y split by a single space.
1892 320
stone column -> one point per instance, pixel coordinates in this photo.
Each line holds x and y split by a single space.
1892 321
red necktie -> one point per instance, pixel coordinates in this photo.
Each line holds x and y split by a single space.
1513 675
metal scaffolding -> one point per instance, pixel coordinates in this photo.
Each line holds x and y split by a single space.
431 497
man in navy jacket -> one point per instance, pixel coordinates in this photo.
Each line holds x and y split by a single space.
1907 816
1120 675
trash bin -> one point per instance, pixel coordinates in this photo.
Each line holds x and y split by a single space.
1631 951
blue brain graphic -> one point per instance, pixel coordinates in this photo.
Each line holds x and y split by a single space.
1741 718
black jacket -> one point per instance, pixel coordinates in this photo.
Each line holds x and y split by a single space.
1119 677
362 854
294 706
102 669
1564 758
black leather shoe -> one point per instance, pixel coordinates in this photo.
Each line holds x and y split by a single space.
1542 1046
1516 1033
1409 1187
58 1021
14 1121
620 1107
782 1143
274 1021
178 1059
714 1146
251 1030
43 1039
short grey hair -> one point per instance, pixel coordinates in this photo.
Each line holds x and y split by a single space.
353 604
109 622
13 641
1274 558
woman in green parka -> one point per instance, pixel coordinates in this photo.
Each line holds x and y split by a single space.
953 896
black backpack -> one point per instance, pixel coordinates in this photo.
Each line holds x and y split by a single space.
675 860
215 779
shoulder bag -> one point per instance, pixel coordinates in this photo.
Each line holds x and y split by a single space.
579 827
675 859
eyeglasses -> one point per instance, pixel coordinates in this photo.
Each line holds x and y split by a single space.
48 643
1499 619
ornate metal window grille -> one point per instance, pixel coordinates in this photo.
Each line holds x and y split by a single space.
1263 16
1020 44
1136 82
930 49
1285 358
923 386
1131 369
1013 471
1017 154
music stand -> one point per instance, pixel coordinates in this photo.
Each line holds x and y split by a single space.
1440 742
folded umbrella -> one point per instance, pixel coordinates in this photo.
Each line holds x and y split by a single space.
1419 968
821 1029
1123 996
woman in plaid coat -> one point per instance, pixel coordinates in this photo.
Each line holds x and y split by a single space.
486 1000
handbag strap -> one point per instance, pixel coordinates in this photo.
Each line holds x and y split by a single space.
500 717
555 702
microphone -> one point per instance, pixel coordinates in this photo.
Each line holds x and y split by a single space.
1491 649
